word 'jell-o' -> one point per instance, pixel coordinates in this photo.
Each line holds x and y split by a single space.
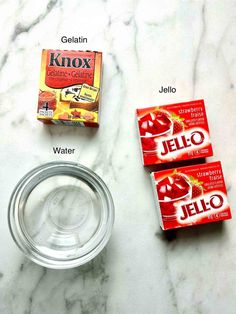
174 132
70 87
191 195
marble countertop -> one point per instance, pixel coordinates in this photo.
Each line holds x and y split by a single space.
189 45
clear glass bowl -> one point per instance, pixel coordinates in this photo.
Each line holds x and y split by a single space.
61 215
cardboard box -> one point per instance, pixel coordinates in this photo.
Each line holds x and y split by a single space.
70 87
174 132
190 195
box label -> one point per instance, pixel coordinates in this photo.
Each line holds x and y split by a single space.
70 87
191 195
174 132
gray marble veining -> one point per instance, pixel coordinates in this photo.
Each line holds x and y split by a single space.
189 45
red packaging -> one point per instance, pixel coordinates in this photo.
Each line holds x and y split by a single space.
191 195
174 132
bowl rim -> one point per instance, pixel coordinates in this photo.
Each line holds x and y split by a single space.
13 214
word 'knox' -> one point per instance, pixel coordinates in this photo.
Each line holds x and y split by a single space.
68 62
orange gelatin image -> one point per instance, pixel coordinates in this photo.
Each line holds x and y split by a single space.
47 100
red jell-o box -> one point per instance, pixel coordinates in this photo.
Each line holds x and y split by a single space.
174 132
190 195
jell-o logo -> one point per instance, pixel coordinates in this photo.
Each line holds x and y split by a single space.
191 195
174 132
215 201
186 141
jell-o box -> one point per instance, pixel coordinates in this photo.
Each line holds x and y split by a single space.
174 132
69 90
190 195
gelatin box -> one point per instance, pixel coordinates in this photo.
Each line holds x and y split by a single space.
174 132
190 195
70 84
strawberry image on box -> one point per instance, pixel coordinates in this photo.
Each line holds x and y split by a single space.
174 132
191 195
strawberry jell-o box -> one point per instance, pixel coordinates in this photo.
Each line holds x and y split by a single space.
69 91
190 195
174 132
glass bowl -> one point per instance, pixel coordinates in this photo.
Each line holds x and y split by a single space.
61 215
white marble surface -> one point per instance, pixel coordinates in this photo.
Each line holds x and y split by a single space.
190 45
